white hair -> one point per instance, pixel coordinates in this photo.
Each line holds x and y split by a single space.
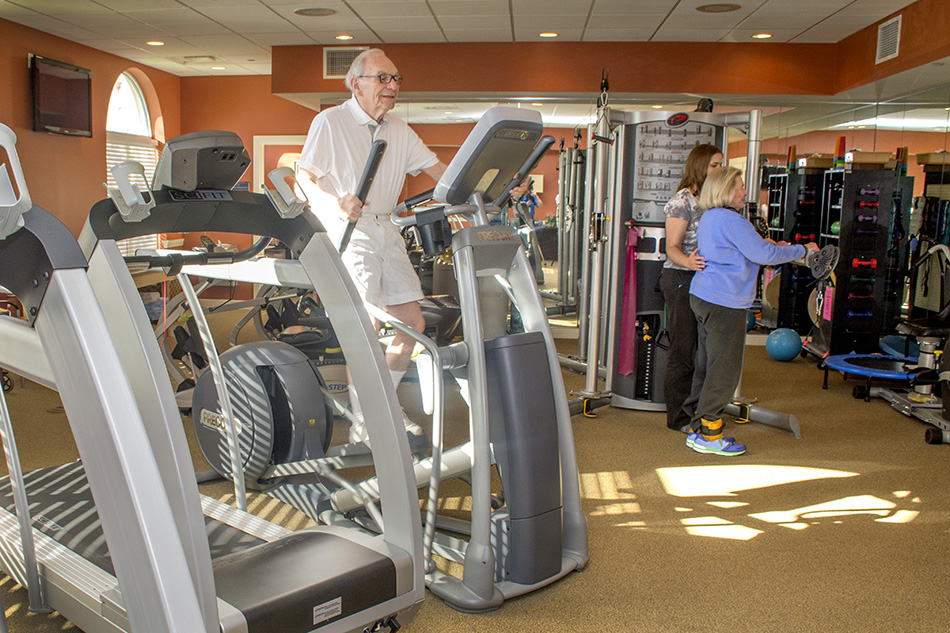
356 68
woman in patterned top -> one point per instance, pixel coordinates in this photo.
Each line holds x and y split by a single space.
682 260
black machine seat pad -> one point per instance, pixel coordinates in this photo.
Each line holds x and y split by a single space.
303 581
937 327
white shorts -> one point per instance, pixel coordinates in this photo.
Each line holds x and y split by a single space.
379 265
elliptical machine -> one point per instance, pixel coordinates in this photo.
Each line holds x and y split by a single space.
519 416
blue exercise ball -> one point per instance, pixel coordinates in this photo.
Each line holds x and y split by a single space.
783 344
749 321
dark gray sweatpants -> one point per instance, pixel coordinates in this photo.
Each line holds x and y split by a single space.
721 338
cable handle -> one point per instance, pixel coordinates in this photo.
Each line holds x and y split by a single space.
366 181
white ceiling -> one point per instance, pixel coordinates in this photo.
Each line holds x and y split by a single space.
239 34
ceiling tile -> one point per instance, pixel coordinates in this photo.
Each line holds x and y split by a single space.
12 11
469 7
625 21
361 36
409 37
344 18
280 39
745 35
135 5
52 7
220 3
651 7
685 16
572 34
478 35
547 23
56 27
179 21
791 21
174 47
250 20
223 45
689 35
617 35
480 22
420 25
549 7
114 25
406 8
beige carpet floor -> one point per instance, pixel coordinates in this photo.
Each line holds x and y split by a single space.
846 529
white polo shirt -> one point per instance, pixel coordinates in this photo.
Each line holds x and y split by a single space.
338 146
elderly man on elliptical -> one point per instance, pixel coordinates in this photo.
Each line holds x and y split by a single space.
331 163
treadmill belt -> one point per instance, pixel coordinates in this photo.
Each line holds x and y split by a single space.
61 507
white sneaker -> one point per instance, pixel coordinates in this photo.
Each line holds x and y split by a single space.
358 431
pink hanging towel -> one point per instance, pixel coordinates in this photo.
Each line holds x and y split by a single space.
628 318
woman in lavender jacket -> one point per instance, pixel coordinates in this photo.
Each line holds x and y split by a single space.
720 296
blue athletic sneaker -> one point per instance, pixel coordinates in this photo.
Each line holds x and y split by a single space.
725 446
691 438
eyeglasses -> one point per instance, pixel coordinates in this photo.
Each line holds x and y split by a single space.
385 78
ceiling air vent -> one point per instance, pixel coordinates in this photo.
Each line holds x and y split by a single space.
888 40
337 60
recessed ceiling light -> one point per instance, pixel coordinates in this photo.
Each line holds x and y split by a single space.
548 34
344 36
448 112
155 43
656 107
721 7
762 36
219 68
537 105
315 12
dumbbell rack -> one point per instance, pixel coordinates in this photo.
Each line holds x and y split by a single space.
867 290
795 217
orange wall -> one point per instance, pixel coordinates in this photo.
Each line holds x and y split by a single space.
924 28
65 174
575 67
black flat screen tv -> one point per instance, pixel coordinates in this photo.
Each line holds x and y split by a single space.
62 97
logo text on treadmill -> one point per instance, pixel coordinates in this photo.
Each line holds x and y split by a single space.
209 194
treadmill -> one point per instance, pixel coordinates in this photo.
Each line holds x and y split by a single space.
122 540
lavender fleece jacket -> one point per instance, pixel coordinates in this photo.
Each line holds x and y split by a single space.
733 251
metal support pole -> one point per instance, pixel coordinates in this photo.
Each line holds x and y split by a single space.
597 239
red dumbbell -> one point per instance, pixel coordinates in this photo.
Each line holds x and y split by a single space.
810 237
857 263
867 204
853 296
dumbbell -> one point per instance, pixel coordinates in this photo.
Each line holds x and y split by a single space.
867 218
857 263
853 296
866 191
858 279
865 231
810 237
852 314
868 204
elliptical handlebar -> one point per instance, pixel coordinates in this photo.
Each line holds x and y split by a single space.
12 205
174 262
